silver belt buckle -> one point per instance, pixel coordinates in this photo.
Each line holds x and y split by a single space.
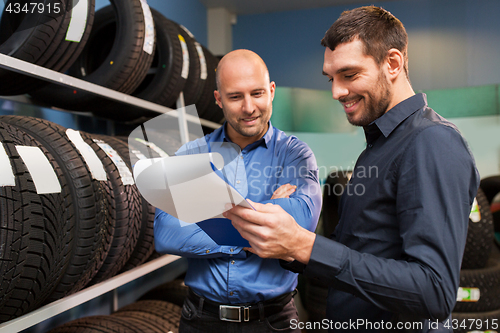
233 313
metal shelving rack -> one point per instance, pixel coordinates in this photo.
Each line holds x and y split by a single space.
124 288
150 274
23 67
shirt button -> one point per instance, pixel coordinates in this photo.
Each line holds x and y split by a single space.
238 181
241 156
370 145
232 262
207 251
231 293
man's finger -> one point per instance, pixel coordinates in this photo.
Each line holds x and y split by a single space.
283 194
249 231
248 215
281 189
284 191
238 213
267 208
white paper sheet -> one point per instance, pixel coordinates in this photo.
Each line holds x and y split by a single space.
186 186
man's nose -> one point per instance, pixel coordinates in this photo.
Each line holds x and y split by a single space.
339 90
248 104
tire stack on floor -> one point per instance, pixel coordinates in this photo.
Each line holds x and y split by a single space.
139 317
478 301
136 50
491 188
70 212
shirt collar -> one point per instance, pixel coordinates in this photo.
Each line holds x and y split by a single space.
395 116
266 139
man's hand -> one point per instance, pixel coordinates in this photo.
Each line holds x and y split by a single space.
284 191
272 232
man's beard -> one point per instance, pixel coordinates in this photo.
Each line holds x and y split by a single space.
376 108
246 132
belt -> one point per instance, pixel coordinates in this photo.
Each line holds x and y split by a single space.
244 312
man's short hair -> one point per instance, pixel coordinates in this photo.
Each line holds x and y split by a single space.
377 28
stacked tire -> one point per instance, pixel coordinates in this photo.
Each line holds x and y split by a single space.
117 56
478 301
31 233
71 214
491 188
139 317
125 208
136 50
52 36
144 244
85 220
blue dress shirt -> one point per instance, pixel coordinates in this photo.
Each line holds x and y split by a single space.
227 274
403 225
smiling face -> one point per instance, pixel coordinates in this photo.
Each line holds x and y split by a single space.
245 95
358 82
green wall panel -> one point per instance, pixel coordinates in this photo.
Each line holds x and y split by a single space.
314 111
498 98
307 110
282 109
464 102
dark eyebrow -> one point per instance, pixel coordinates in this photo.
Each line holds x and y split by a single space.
342 70
346 69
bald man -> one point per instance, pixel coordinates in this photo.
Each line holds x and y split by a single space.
231 290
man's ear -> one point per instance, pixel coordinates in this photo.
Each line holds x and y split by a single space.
272 88
217 98
395 63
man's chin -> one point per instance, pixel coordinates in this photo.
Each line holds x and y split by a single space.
360 121
353 121
249 134
248 131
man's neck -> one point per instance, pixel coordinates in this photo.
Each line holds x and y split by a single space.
402 91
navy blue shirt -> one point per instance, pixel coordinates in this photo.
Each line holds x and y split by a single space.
403 224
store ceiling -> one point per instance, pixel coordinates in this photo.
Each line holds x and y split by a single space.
242 7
